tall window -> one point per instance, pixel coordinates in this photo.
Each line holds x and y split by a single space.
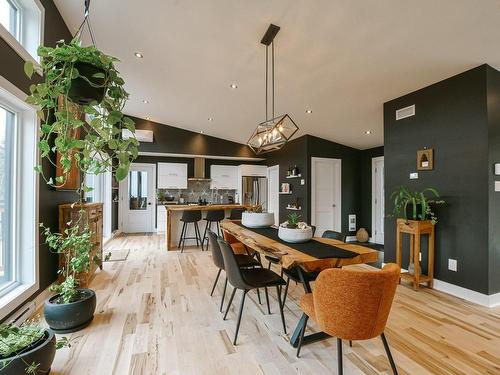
7 124
9 17
18 199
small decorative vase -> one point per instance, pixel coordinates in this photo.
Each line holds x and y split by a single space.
362 235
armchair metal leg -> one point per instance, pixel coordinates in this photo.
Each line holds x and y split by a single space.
389 355
239 316
215 282
339 357
223 296
229 304
281 308
286 290
267 300
258 296
301 337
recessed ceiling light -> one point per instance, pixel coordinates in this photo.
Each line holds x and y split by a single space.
210 119
233 85
145 101
201 131
148 118
138 55
309 111
368 132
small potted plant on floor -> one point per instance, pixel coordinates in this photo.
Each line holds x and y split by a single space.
255 217
27 349
294 231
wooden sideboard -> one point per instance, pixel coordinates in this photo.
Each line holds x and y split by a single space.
92 217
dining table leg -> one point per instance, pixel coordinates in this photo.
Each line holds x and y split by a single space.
307 339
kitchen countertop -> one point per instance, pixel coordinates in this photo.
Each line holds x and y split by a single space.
208 207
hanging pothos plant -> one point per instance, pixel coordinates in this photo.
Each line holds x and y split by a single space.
80 102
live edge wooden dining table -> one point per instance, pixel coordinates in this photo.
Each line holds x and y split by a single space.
291 257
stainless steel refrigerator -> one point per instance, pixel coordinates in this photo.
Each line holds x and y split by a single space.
254 191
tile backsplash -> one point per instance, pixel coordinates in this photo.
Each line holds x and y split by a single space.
197 190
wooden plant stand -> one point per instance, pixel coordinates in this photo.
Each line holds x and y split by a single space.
415 229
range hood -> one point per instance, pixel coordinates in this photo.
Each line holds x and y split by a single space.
199 170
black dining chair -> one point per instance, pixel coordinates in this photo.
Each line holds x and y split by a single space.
188 217
293 273
244 261
213 216
247 279
236 213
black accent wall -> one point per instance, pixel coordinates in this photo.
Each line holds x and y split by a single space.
11 68
459 119
365 174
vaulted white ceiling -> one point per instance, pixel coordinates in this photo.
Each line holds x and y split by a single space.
341 59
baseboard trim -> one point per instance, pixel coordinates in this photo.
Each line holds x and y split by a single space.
492 300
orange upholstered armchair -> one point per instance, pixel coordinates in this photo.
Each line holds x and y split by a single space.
352 305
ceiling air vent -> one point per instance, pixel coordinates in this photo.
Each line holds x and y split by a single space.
405 112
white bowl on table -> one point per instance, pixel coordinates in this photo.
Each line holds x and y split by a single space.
257 219
295 235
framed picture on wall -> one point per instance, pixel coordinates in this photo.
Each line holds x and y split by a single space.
425 159
285 187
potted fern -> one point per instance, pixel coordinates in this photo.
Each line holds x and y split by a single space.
27 349
80 102
255 217
295 231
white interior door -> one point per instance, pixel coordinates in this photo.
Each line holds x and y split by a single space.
273 198
378 200
137 199
326 179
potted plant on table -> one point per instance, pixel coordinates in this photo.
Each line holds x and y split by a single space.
255 217
27 349
295 231
80 101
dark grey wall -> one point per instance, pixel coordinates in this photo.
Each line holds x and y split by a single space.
493 90
175 140
451 118
365 169
11 67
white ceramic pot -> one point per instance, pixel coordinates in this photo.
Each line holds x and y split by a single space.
257 219
295 235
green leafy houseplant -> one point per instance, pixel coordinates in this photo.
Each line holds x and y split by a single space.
418 203
293 220
18 340
85 136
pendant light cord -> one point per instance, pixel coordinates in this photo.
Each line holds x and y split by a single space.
272 57
267 64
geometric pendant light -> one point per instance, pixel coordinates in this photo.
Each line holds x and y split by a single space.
272 134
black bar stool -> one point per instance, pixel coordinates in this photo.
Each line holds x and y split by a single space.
190 216
236 213
215 216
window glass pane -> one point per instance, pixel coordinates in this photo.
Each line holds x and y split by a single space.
138 190
9 15
7 123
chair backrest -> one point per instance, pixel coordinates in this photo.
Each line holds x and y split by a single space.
215 215
231 267
191 216
355 304
215 249
334 235
236 213
313 227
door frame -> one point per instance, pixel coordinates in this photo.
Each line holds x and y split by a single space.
121 190
339 189
374 214
277 169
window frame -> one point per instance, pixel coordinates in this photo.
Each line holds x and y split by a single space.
25 239
30 18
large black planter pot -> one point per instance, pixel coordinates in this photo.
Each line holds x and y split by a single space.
409 212
42 353
70 317
81 91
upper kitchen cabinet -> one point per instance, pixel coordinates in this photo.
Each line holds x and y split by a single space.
224 177
172 175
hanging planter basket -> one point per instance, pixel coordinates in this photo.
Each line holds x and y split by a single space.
89 86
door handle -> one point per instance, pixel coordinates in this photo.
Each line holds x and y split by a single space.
334 205
149 203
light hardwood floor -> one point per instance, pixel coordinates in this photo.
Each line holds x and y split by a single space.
155 316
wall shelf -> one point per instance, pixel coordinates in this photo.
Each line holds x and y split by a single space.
296 176
294 208
285 192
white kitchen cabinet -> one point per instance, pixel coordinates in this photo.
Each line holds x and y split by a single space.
224 177
161 219
253 170
172 176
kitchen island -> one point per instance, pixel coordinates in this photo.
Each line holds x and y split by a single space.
174 224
